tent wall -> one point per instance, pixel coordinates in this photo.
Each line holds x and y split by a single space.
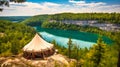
41 54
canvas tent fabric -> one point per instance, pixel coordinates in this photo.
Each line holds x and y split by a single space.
37 44
38 47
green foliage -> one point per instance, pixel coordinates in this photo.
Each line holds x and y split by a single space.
116 38
73 64
54 42
14 18
101 55
63 26
69 47
97 53
100 17
13 36
75 52
36 20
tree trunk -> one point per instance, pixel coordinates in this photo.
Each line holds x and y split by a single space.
118 64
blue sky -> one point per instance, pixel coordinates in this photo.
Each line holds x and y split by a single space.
54 1
67 1
36 7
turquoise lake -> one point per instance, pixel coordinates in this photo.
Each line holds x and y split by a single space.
83 39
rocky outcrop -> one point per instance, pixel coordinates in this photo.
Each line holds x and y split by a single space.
57 60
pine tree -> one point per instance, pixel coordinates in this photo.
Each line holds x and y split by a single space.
69 47
116 38
96 53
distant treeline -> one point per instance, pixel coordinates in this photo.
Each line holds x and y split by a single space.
14 18
63 26
36 20
100 17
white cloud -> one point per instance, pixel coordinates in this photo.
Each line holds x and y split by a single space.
29 8
91 4
50 4
73 1
83 3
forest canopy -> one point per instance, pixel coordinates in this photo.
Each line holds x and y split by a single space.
13 36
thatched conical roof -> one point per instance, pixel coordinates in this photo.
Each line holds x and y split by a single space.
37 44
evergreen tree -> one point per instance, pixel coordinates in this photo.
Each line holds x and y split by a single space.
54 42
96 53
116 38
69 47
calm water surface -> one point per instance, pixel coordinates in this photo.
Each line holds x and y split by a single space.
83 39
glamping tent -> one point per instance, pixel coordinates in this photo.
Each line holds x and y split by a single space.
38 48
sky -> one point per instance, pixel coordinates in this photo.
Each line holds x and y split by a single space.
38 7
